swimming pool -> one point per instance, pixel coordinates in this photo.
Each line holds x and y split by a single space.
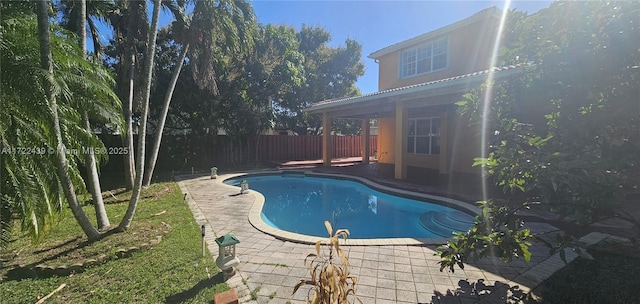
300 204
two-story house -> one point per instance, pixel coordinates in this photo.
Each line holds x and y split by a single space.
420 79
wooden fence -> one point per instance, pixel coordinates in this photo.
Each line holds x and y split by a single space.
281 147
202 151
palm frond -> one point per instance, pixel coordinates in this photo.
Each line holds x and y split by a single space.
218 28
29 189
5 221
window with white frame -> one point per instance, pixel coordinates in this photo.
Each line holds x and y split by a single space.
424 59
424 136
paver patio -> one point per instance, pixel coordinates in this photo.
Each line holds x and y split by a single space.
270 267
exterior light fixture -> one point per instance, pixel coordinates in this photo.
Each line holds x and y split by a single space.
244 186
227 258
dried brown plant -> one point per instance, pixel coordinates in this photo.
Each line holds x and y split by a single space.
331 282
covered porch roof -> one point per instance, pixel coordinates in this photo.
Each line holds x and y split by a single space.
382 103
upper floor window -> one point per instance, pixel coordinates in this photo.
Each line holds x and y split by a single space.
423 59
424 136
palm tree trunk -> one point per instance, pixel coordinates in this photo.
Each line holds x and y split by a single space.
127 140
82 29
47 64
157 138
93 181
148 73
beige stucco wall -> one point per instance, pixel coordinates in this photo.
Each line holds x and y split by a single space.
464 143
423 161
469 50
386 139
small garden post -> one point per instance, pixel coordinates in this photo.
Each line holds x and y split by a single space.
202 240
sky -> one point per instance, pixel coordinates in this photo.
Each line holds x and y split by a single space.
376 24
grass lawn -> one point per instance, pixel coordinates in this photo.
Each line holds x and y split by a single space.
171 271
612 277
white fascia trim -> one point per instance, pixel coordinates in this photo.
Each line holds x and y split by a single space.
418 88
490 12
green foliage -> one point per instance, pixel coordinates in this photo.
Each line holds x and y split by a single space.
96 10
218 28
496 232
173 271
332 282
29 189
564 136
254 293
564 242
256 83
329 73
264 86
587 156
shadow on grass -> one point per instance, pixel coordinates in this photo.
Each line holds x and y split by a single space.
21 273
480 292
113 202
193 291
57 246
27 271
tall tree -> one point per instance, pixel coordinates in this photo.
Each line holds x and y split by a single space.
244 102
577 153
258 82
148 74
28 190
129 20
157 138
77 22
46 62
92 167
330 73
215 25
125 52
27 182
96 11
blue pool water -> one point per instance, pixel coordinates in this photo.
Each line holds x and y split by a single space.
300 204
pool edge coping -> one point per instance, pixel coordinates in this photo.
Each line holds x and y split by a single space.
256 221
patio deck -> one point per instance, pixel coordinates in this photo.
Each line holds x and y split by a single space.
386 273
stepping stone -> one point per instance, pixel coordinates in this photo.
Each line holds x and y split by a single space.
227 297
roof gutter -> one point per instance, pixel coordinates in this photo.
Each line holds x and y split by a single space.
318 107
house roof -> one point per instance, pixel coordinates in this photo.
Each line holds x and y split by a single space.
452 82
481 15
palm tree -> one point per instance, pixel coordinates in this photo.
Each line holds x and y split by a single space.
62 163
28 188
148 73
75 19
96 10
130 23
129 20
227 23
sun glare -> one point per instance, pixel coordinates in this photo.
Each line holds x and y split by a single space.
489 92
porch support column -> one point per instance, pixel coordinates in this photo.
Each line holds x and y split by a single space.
401 141
366 143
327 149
